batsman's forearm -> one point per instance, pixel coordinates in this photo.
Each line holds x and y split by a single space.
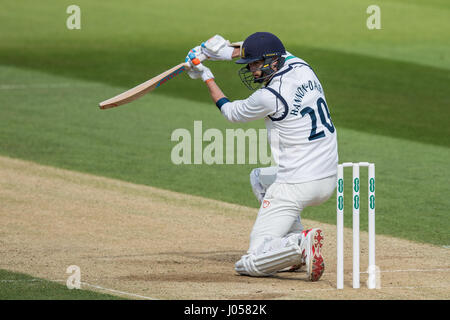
236 53
214 90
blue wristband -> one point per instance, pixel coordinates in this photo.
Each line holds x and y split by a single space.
221 102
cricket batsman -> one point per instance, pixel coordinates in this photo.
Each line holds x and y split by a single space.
290 98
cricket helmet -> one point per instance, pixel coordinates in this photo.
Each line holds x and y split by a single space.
263 46
260 45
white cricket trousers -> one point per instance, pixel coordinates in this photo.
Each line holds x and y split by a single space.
279 214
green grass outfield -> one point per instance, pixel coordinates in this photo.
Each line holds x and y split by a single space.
19 286
387 91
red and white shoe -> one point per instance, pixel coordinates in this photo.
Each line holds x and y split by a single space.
311 247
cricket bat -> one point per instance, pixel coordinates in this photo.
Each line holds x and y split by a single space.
153 83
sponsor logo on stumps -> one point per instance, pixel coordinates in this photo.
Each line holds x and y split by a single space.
341 202
356 185
356 201
372 184
372 202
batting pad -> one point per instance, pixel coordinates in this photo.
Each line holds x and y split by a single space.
268 263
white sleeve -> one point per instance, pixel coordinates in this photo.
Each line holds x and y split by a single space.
259 105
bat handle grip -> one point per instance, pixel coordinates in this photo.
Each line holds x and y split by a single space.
197 60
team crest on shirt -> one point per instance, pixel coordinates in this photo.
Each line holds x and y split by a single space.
266 203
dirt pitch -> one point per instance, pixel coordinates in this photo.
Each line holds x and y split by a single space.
164 245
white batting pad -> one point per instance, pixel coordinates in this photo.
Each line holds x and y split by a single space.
258 189
267 176
268 263
261 179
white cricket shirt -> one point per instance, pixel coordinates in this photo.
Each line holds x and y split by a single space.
302 136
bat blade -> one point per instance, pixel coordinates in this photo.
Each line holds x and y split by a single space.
143 88
152 84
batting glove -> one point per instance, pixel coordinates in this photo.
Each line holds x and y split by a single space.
206 73
199 71
193 53
217 49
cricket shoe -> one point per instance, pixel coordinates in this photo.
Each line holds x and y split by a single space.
311 247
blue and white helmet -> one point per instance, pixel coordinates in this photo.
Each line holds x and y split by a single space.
263 46
259 46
